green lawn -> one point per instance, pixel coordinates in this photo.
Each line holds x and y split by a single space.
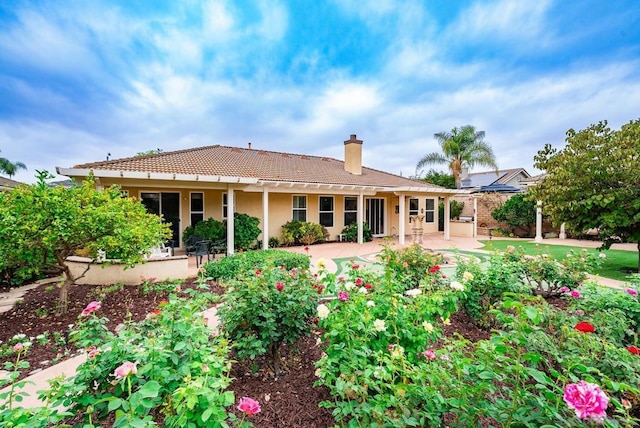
617 265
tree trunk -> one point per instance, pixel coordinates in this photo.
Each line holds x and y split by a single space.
69 280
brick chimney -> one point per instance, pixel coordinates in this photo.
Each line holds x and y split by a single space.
353 155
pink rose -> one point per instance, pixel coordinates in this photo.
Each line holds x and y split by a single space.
429 354
631 291
249 406
127 368
343 296
18 347
93 306
575 294
587 400
93 352
565 289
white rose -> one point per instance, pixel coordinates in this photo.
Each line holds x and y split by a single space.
362 290
323 311
457 286
413 293
371 303
379 325
349 286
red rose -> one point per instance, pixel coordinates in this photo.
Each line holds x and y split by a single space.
279 286
434 269
354 267
359 282
585 327
258 272
315 320
368 286
634 350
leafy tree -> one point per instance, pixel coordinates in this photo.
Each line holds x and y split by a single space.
518 212
149 152
10 168
40 226
594 182
441 179
461 148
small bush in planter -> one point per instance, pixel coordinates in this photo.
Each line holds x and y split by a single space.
351 232
210 229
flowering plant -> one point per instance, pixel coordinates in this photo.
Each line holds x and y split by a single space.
261 312
587 400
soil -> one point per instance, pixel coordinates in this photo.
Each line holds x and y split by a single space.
290 400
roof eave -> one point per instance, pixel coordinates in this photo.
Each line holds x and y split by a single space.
142 175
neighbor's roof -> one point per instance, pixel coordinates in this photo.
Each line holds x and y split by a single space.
261 165
6 183
485 178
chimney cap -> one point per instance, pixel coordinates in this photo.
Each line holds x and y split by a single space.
353 139
249 145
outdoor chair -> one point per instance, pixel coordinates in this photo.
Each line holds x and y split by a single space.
190 244
201 250
219 247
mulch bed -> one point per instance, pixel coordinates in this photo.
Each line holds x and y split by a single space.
289 400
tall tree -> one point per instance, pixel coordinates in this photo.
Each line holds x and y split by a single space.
10 168
594 182
463 147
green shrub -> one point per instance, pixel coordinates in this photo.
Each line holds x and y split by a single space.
211 229
518 213
245 230
274 242
351 232
410 266
303 233
239 264
266 309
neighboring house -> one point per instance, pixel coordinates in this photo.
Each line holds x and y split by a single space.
8 184
508 177
190 185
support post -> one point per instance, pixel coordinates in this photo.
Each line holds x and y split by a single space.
401 222
360 217
447 219
230 219
265 218
475 217
538 222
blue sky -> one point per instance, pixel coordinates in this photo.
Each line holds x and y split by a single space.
79 80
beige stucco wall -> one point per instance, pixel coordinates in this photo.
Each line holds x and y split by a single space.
461 229
168 268
280 204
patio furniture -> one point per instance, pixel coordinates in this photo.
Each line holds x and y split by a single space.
201 250
219 247
190 244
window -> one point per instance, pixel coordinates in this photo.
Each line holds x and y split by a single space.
197 207
414 206
224 205
300 208
325 210
350 210
430 211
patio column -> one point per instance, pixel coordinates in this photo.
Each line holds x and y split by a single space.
538 222
447 215
265 218
563 233
231 203
360 217
475 217
401 214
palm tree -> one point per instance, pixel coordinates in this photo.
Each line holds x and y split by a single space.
461 148
10 168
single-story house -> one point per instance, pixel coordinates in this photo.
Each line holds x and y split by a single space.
190 185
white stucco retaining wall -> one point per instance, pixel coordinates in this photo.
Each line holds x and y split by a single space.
462 229
166 268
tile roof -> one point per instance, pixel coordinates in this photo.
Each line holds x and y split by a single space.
6 183
253 163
